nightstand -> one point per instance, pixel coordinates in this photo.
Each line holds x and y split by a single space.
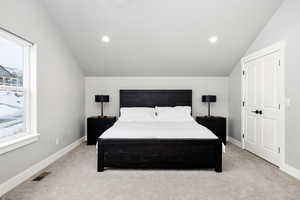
96 126
216 124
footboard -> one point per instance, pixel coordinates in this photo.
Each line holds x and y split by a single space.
160 153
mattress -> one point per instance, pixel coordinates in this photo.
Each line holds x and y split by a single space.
158 130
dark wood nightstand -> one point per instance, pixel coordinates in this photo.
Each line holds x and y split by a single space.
96 126
216 124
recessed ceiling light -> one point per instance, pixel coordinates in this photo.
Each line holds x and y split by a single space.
105 39
213 39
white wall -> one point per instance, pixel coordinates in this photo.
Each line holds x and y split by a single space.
284 25
199 85
60 87
235 99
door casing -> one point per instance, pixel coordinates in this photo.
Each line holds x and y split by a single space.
277 47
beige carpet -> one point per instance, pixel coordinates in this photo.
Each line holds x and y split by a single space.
245 176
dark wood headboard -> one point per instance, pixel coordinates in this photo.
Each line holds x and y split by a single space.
152 98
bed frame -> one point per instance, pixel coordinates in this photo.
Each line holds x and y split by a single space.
159 153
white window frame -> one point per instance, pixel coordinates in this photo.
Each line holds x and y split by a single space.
30 99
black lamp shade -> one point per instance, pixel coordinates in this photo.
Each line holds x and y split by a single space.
101 98
209 98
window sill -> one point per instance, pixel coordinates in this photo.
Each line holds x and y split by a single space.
18 142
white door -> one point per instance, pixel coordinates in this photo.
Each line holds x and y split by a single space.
262 106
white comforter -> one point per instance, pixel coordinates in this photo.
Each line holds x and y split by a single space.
158 129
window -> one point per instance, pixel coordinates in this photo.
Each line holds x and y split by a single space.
17 92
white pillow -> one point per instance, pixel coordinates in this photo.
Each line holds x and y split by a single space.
137 114
186 109
179 113
179 110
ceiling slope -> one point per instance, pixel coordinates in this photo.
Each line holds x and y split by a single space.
160 37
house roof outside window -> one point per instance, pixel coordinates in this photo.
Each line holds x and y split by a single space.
5 73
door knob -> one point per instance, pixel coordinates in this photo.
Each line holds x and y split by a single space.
260 112
255 111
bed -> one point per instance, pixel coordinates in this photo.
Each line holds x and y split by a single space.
151 144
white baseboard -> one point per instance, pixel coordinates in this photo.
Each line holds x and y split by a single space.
291 171
234 141
23 176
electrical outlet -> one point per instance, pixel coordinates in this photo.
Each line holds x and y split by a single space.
57 141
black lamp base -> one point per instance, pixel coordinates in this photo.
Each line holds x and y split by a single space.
208 112
101 116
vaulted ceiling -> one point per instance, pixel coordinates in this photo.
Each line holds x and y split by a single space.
159 37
